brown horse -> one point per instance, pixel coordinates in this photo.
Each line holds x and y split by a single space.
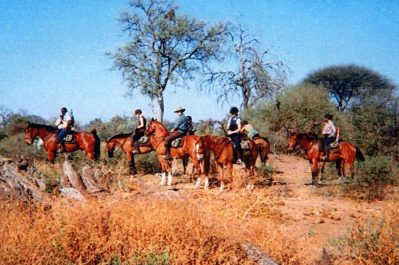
89 142
191 147
223 153
263 146
124 142
346 155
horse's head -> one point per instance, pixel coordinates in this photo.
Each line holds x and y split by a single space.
110 148
30 133
292 140
151 127
155 127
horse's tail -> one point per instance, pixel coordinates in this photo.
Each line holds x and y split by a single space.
97 145
359 154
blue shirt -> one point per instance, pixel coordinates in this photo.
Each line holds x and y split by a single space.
181 124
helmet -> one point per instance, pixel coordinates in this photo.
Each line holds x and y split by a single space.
64 110
137 111
233 110
328 116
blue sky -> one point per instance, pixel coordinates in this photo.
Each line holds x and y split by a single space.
52 53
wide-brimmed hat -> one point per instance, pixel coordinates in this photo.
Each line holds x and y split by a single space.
180 109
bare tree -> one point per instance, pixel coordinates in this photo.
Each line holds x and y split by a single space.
254 79
164 47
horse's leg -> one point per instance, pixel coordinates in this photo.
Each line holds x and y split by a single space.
314 165
221 176
185 162
163 170
322 171
197 167
130 158
170 176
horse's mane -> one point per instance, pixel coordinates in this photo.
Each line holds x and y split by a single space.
161 125
121 135
45 126
311 137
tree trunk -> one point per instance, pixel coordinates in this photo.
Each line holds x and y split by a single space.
161 107
14 183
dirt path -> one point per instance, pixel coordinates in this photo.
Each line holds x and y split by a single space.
317 212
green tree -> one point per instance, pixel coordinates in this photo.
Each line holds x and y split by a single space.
351 83
257 76
164 47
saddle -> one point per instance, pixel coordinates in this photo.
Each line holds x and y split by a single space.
177 142
143 139
70 138
332 147
245 145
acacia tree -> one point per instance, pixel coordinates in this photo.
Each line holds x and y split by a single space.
254 78
351 83
164 47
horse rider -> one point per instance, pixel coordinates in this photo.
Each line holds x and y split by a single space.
180 127
249 130
64 123
191 130
329 133
233 131
139 131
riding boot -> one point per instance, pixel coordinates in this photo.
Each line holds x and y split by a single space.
167 152
138 147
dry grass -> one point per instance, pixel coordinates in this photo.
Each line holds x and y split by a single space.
372 242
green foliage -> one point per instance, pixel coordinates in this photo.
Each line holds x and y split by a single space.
302 106
164 47
350 83
148 163
373 175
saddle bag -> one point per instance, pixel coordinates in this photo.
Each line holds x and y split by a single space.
69 138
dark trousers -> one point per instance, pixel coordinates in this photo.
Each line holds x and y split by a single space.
138 133
168 139
236 139
62 134
326 142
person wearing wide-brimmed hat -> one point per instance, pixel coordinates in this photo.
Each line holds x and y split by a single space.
180 127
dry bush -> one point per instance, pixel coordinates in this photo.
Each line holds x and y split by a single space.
128 231
373 242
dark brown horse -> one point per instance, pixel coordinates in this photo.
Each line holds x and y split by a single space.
124 142
89 142
223 153
191 147
346 155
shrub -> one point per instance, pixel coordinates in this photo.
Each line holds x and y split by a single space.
374 175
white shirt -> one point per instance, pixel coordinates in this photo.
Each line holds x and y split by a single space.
62 121
329 128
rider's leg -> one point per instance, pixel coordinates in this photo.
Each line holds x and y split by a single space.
167 141
60 138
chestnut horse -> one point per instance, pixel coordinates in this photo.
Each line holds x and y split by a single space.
124 142
263 146
223 153
191 147
89 142
347 153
